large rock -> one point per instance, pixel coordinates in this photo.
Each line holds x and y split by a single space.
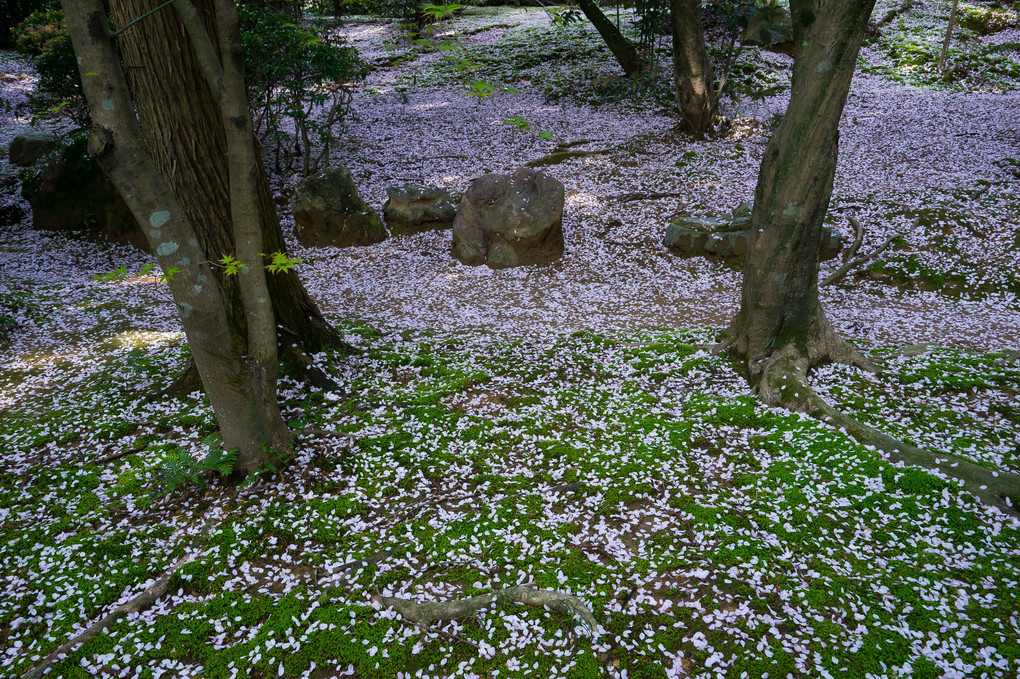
26 149
506 221
411 209
329 211
769 26
729 236
72 193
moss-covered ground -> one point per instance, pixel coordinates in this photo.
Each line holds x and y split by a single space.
709 535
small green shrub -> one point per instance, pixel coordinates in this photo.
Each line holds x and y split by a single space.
44 37
293 72
13 12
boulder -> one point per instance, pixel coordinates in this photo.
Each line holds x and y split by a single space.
728 237
26 149
506 221
71 193
769 26
411 209
329 211
744 210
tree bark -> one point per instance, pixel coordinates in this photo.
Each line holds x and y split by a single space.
249 420
188 144
224 77
624 51
780 311
692 68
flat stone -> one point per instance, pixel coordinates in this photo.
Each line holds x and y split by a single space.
702 224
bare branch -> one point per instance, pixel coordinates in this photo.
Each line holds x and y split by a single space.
845 268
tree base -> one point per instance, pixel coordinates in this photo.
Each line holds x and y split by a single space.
783 382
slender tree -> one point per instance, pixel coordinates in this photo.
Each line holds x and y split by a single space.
780 331
177 142
692 68
780 317
624 50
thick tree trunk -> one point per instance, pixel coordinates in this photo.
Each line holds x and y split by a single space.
779 310
188 145
780 331
249 421
624 51
692 69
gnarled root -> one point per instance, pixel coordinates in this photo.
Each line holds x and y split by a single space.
784 381
136 605
432 611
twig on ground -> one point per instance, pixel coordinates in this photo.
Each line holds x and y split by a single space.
449 636
329 433
431 611
116 456
375 558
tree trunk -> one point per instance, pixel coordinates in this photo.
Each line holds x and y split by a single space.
692 69
780 315
625 52
230 361
949 36
188 144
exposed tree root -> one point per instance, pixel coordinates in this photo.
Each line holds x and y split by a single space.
852 262
432 611
786 379
375 558
136 605
557 157
305 367
185 383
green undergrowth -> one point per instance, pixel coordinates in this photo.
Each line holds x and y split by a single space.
573 63
908 49
708 535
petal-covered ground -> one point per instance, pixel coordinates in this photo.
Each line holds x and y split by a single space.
559 427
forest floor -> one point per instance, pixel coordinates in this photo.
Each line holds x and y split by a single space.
561 427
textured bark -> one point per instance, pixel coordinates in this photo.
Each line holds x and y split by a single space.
223 70
949 36
780 331
779 297
188 144
247 421
624 51
692 68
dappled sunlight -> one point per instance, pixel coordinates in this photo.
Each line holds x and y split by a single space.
569 427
